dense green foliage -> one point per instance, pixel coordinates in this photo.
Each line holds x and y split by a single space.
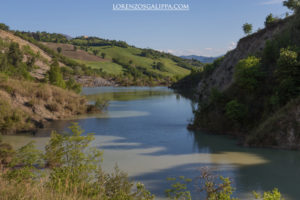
214 187
71 84
55 75
79 41
247 73
247 28
292 4
4 27
74 171
263 85
94 41
56 78
235 111
47 37
11 60
189 83
179 189
287 76
270 20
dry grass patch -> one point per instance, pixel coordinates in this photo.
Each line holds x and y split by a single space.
35 102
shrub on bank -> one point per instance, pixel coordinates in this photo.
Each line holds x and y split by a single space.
74 172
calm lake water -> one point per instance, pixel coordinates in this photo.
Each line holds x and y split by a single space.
144 132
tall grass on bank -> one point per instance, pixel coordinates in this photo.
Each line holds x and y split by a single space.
25 103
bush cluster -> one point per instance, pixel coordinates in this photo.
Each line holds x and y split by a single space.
73 171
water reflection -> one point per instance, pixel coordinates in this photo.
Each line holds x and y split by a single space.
126 93
144 131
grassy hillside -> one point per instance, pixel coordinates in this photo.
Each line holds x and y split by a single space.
70 51
116 59
33 87
106 66
131 54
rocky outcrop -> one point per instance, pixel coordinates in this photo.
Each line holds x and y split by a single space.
222 76
90 81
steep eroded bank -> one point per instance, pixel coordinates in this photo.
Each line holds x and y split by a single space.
253 91
25 106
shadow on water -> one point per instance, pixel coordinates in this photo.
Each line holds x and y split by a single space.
276 168
146 128
280 169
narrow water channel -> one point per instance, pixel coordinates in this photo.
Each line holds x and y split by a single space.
144 132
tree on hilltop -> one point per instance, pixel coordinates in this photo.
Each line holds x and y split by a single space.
270 19
4 27
247 28
293 5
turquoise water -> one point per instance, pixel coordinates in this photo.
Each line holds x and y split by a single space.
144 132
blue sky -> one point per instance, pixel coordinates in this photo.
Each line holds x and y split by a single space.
210 28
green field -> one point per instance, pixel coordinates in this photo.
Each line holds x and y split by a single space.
108 66
131 55
112 59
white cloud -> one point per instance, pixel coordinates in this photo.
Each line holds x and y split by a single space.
208 51
205 52
180 52
271 2
232 46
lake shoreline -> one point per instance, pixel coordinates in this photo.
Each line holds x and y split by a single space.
144 130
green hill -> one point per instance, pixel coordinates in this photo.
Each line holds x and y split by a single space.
35 85
125 64
253 91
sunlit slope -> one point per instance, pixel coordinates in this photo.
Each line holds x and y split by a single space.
116 57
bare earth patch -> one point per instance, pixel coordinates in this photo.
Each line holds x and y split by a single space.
68 51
